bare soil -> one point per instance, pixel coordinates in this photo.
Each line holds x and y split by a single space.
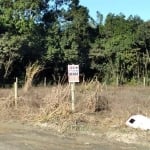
16 136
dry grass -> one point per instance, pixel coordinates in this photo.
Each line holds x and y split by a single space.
96 105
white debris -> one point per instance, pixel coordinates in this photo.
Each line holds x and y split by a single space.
139 121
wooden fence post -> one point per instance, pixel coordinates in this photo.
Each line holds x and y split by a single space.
16 91
44 81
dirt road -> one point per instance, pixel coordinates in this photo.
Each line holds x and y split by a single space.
15 136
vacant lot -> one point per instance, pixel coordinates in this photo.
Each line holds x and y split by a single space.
99 119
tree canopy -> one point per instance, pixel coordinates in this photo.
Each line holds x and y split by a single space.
61 32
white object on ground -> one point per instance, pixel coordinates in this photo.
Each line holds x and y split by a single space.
139 121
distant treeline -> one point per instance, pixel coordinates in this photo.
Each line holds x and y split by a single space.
55 33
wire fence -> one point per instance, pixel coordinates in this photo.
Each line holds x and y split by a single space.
6 83
9 83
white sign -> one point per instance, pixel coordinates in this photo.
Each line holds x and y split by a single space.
73 73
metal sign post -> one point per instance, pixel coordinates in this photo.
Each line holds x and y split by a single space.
73 76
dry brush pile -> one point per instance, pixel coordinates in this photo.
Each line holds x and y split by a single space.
95 104
53 104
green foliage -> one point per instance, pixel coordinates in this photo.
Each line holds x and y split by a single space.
61 32
75 37
10 52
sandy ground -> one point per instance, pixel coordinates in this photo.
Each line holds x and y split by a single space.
16 136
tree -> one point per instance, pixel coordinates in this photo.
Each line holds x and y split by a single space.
143 42
10 52
113 53
75 37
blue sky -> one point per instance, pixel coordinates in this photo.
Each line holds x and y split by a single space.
127 7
